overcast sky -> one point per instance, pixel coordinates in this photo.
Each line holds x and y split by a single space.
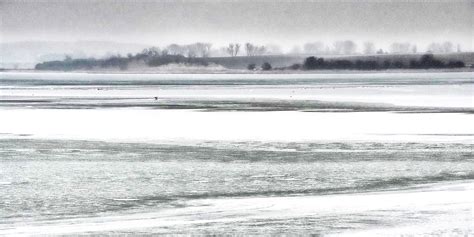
281 22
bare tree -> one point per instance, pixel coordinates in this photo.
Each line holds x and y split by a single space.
175 49
202 49
369 47
154 51
207 49
236 49
253 50
191 50
249 49
230 49
151 52
172 49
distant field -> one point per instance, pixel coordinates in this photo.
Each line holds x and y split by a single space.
240 62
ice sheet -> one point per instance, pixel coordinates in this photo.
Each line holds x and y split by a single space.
141 125
444 208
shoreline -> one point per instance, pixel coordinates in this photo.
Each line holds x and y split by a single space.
242 71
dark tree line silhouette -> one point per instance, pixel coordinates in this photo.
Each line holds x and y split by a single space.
154 57
427 61
151 57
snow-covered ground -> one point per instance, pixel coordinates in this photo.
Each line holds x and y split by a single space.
340 154
144 125
442 210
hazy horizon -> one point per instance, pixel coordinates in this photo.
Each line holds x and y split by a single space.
285 23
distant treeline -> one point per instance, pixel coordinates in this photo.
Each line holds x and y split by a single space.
426 61
151 57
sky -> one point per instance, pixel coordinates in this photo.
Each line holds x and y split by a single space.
285 23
